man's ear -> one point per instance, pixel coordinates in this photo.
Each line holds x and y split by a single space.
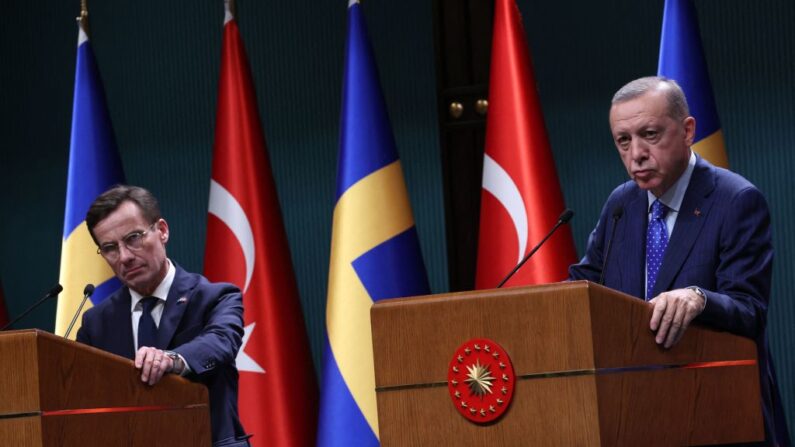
162 227
690 130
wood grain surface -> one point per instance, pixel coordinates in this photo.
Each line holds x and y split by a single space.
56 392
584 333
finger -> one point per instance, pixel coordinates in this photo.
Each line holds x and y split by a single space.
677 325
157 367
660 303
139 357
156 373
665 322
146 368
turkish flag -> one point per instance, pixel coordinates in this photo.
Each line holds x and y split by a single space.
247 246
521 198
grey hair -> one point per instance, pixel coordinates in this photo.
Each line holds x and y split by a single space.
677 103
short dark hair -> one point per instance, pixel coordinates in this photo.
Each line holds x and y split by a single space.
677 103
110 200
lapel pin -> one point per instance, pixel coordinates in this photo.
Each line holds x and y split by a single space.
697 212
182 300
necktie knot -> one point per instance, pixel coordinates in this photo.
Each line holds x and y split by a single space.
148 303
658 210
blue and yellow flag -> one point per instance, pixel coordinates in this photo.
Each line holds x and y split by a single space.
375 252
682 59
94 166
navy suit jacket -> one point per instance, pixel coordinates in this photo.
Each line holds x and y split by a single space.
206 328
721 243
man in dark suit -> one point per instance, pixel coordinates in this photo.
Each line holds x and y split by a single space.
691 238
166 319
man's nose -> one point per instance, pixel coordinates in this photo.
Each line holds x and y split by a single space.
125 254
638 150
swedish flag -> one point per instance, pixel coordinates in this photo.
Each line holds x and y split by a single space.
682 59
375 252
94 166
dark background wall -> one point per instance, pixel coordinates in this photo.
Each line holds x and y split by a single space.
159 62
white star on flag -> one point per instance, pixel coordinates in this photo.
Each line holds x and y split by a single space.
244 361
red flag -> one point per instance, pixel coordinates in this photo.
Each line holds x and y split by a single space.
3 312
247 245
521 198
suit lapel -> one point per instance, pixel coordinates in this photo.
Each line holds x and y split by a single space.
633 259
176 303
121 318
692 215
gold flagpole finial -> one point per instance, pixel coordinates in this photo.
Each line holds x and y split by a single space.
83 19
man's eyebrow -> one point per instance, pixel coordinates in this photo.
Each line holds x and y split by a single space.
122 238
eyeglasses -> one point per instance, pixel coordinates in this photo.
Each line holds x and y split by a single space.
133 241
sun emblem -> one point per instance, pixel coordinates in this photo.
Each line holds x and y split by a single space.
481 380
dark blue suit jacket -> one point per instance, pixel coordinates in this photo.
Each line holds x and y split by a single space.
721 243
206 329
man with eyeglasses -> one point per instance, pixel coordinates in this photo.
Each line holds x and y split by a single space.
167 319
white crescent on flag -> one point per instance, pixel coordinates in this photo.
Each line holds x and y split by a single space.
225 207
499 183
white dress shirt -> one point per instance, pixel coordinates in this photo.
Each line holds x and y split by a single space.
161 293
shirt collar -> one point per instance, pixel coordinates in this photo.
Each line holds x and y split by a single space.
161 292
676 193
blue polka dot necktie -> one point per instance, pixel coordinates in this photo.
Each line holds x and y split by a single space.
147 329
656 241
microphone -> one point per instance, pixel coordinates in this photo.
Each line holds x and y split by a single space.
87 292
617 213
564 218
54 291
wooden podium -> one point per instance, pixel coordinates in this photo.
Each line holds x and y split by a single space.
588 372
56 392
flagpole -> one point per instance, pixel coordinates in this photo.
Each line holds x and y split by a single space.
82 20
229 6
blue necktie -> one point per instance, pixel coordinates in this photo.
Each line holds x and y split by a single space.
147 329
656 241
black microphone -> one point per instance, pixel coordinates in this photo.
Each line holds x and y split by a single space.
617 213
54 291
564 218
87 292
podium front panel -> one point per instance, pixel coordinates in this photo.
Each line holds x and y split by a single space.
588 371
